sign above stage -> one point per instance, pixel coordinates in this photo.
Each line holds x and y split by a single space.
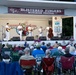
16 10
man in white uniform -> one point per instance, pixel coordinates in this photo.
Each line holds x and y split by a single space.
20 30
7 29
29 31
40 31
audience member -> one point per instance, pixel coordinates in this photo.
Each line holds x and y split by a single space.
37 54
37 51
67 52
6 58
72 50
55 49
27 56
47 53
43 46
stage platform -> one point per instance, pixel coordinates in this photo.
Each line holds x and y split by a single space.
31 42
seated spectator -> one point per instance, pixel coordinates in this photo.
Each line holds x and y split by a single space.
20 53
59 52
47 53
6 58
17 48
43 46
55 49
27 56
72 50
37 54
49 46
67 52
31 49
58 55
37 51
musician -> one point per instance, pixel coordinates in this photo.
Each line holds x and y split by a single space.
7 29
40 31
30 31
20 29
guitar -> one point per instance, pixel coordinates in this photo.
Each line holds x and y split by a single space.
7 29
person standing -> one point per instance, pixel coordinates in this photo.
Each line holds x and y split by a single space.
7 32
40 31
30 31
20 30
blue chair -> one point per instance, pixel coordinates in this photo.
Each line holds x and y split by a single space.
10 68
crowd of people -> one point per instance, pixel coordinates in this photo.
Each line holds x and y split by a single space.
27 52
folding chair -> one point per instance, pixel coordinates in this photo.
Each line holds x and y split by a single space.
38 61
28 65
67 64
48 65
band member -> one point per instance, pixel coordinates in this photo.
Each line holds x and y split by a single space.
50 34
30 31
40 31
20 29
7 29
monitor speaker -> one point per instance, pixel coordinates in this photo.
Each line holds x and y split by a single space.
15 39
31 38
56 38
42 38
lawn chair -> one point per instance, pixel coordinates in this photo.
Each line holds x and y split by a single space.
28 65
48 65
67 64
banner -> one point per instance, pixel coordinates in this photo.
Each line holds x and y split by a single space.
15 10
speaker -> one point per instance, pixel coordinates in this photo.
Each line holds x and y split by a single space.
56 38
31 38
15 39
42 38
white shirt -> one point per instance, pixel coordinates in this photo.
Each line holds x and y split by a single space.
29 29
47 28
40 30
7 26
19 27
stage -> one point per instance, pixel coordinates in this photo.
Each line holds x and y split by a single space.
31 42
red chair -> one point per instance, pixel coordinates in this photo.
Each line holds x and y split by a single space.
48 65
67 64
28 65
27 62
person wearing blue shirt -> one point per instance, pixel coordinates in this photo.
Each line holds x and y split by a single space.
37 51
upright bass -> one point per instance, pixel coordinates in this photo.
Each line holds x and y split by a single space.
50 34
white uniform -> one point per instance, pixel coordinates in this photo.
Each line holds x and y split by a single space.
20 31
47 29
7 33
30 31
40 32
